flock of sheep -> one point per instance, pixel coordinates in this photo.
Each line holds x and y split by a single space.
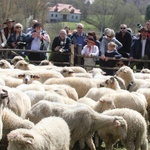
46 107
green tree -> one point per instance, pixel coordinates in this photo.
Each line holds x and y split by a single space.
147 13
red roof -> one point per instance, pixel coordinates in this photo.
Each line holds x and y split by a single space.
60 7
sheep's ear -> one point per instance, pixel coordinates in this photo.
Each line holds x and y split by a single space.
29 142
112 80
36 77
101 100
21 76
103 72
117 123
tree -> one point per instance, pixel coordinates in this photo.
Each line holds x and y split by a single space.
147 13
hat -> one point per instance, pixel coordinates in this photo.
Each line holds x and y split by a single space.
143 29
90 40
8 20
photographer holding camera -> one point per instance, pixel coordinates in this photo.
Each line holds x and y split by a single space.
61 44
37 40
16 40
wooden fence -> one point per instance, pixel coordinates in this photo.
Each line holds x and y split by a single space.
71 54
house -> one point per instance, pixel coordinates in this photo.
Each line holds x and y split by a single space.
63 12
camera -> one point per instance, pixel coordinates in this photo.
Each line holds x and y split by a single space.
22 43
139 26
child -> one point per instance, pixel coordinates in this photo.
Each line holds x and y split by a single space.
90 51
113 53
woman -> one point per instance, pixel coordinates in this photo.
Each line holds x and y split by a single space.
109 37
17 40
61 44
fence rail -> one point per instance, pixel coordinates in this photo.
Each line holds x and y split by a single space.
71 54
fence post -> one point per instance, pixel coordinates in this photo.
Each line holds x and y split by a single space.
72 55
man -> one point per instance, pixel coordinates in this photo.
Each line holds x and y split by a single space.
37 40
9 29
148 27
31 28
140 49
125 38
78 39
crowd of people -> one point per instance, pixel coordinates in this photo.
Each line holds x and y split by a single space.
111 44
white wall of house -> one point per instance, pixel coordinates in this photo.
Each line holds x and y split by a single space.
56 16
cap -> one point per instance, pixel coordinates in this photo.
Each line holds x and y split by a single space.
90 40
8 20
143 29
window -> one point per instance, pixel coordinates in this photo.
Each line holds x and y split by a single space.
72 17
51 15
56 15
76 17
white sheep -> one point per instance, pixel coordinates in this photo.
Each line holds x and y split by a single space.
68 72
99 106
115 83
96 93
19 102
16 59
136 130
22 65
51 133
134 100
45 63
63 89
81 85
5 64
81 119
132 84
145 70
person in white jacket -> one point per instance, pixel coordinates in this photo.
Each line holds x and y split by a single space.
89 52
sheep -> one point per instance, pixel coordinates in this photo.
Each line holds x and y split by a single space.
22 64
81 85
81 119
114 82
50 133
11 122
136 137
19 102
145 70
131 83
68 72
96 93
16 59
29 77
63 89
45 63
11 81
5 64
134 100
78 69
36 96
99 106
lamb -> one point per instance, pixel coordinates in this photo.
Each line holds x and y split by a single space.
113 83
81 85
16 59
36 96
19 102
22 64
96 93
136 137
51 133
68 72
81 119
29 77
45 63
132 84
99 106
4 64
128 100
63 89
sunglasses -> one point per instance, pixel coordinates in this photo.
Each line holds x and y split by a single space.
109 36
18 27
122 28
80 28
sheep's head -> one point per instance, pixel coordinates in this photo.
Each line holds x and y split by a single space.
16 59
22 64
4 64
67 72
4 99
121 126
28 78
